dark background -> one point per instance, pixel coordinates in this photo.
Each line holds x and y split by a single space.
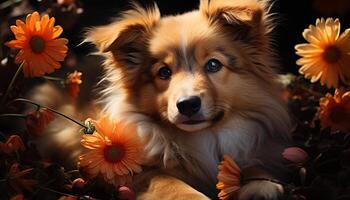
293 16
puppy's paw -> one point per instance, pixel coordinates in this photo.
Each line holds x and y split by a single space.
261 190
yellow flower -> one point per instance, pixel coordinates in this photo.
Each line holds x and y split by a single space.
335 111
327 55
229 178
114 151
40 48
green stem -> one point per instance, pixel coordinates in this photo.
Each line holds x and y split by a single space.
65 194
8 3
13 115
50 109
57 192
11 83
50 78
73 171
247 180
317 94
3 137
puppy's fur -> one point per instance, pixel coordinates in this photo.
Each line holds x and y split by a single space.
243 115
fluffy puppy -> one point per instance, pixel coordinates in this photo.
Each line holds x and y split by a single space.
198 85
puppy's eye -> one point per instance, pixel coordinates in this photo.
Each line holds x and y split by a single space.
164 73
213 65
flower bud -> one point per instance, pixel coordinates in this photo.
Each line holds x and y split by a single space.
295 155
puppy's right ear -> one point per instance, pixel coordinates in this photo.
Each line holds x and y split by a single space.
127 37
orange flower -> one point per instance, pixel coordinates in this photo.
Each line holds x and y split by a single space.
36 121
72 84
40 48
327 55
229 178
114 151
68 198
65 2
17 197
78 183
335 111
17 181
14 143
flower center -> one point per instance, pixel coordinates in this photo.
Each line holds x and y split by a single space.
114 153
332 54
37 44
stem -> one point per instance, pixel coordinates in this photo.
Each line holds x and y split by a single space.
65 194
317 94
3 137
13 115
57 192
264 179
11 83
53 78
50 109
8 3
73 171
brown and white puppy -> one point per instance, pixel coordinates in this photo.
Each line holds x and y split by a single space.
199 85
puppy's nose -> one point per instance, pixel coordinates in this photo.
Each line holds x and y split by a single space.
188 105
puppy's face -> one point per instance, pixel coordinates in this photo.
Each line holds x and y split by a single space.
193 70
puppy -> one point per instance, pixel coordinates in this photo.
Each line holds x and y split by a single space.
198 85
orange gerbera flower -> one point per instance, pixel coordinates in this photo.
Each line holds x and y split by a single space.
72 84
335 111
114 151
40 48
327 55
229 178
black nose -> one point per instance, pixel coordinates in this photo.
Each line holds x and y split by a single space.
189 105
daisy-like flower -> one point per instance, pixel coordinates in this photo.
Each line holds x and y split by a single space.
72 84
229 178
335 111
40 48
36 121
327 55
114 151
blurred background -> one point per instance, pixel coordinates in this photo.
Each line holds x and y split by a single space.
327 176
293 16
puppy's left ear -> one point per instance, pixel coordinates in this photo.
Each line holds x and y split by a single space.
243 16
